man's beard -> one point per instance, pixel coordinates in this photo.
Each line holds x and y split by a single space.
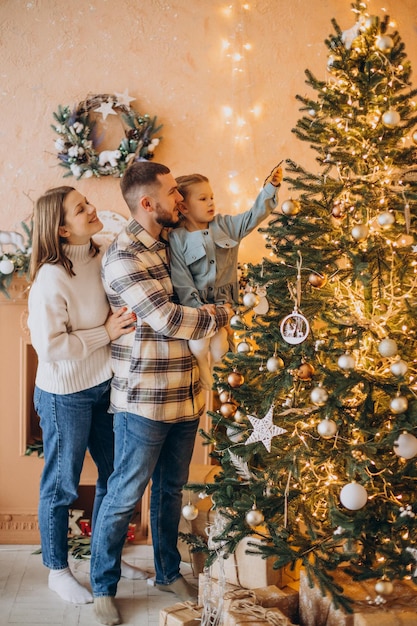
165 219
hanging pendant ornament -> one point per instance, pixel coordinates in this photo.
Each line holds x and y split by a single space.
6 266
391 118
228 409
190 512
353 496
399 367
254 517
290 207
327 428
244 347
250 299
236 321
295 327
384 587
399 404
274 363
305 371
235 379
346 361
406 446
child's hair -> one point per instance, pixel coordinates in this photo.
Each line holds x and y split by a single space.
48 216
184 182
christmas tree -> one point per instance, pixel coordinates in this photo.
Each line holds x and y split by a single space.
316 430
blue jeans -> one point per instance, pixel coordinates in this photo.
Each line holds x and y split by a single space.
144 449
71 424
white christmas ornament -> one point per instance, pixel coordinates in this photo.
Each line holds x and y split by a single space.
250 299
384 43
327 428
319 396
236 320
294 328
264 429
399 404
290 207
360 232
386 219
391 118
406 446
346 362
399 368
254 517
384 587
190 512
243 347
274 363
235 434
353 496
387 347
6 266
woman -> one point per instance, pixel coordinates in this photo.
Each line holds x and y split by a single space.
71 328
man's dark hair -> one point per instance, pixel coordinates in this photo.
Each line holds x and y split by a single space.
139 175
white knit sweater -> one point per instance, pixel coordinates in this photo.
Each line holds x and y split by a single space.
66 322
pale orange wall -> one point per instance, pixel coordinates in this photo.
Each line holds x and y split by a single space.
170 57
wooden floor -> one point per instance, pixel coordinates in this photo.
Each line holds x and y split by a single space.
26 599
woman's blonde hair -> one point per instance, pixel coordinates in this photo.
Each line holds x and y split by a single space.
184 182
47 244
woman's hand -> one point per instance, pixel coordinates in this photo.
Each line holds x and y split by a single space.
120 323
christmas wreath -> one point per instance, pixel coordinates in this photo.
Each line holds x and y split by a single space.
77 142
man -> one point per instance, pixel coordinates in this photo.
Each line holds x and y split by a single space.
156 394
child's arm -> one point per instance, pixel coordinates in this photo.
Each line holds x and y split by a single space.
275 177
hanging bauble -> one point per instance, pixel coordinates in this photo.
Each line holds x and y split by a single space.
327 428
387 347
224 396
360 232
243 347
239 417
235 434
254 517
319 396
338 212
346 361
353 496
236 320
399 404
406 446
274 363
250 299
235 379
305 371
290 207
386 219
399 368
384 43
391 118
384 587
317 280
228 409
6 267
190 511
294 328
262 307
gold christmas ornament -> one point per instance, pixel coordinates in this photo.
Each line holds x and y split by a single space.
327 428
317 280
391 118
290 207
224 396
387 347
250 299
305 371
384 587
399 404
360 232
228 409
384 43
235 379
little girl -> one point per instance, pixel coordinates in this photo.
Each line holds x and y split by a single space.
204 255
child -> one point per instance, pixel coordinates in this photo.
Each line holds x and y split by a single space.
204 255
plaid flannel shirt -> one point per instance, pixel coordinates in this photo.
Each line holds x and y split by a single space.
155 374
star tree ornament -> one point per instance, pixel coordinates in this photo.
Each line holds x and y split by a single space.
264 429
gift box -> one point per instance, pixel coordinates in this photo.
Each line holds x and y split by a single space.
181 614
285 599
210 589
244 613
399 608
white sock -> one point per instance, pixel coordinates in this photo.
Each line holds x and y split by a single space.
132 572
67 587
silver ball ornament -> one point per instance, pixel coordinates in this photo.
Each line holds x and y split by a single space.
6 266
250 299
274 363
254 517
243 347
384 43
387 347
353 496
235 434
319 396
406 446
386 219
391 118
360 232
190 512
399 368
236 320
346 362
327 428
290 207
399 404
384 587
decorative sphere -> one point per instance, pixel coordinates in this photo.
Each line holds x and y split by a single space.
388 347
239 417
228 409
391 118
290 207
274 363
319 396
353 496
312 112
190 512
384 43
235 434
317 280
235 379
399 368
360 232
338 212
243 347
305 371
327 429
224 396
384 587
386 219
406 446
399 404
262 307
236 320
6 266
330 61
254 517
346 362
250 299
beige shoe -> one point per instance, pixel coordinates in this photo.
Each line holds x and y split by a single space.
182 589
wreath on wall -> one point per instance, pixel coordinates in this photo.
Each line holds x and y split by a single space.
77 144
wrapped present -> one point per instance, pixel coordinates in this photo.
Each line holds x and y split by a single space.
210 588
181 614
244 612
285 599
369 609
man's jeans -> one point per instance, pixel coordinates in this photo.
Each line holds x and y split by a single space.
144 449
71 424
